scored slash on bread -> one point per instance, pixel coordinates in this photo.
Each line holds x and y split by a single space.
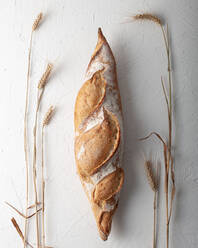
101 142
99 136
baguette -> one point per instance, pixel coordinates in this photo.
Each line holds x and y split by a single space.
99 136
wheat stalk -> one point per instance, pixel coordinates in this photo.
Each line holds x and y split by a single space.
168 160
34 27
25 139
46 121
43 189
39 98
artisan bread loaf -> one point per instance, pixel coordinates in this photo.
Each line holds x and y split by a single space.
99 136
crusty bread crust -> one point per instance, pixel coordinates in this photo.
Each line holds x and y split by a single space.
99 136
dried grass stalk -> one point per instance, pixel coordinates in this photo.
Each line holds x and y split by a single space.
37 21
25 135
169 160
46 121
39 97
43 188
41 88
45 76
43 210
155 208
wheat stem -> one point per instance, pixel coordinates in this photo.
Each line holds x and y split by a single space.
46 121
169 155
43 190
155 134
154 218
34 27
155 206
168 148
39 97
167 215
25 137
165 95
173 189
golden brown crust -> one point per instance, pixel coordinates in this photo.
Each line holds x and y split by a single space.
109 186
104 223
90 96
101 41
98 129
99 144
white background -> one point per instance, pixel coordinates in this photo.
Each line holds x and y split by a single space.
67 38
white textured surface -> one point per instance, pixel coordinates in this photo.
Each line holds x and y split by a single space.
67 38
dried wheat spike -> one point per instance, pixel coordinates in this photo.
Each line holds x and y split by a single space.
45 76
148 17
37 21
150 176
48 116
